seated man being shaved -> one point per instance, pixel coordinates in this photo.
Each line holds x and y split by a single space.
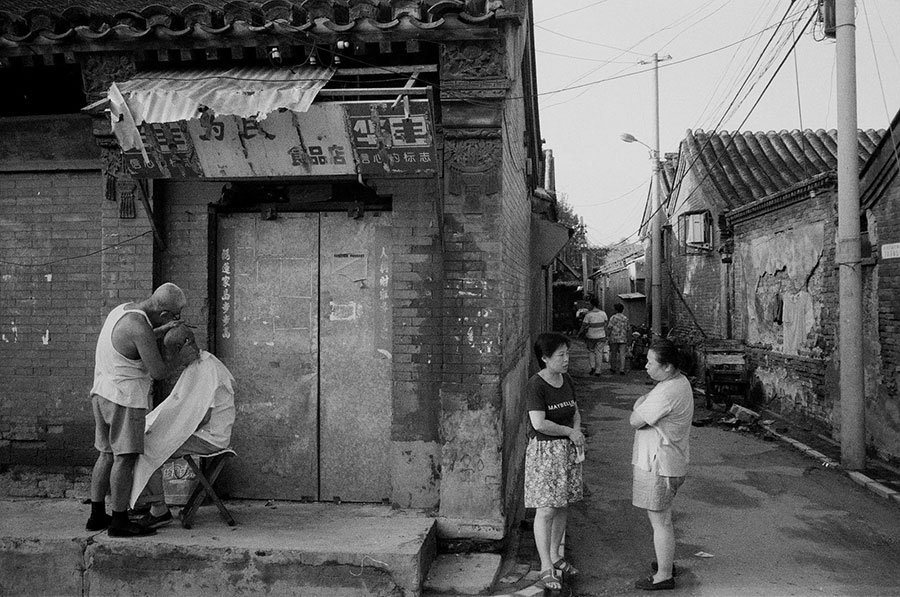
195 418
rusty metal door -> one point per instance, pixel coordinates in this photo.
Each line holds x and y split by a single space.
303 321
267 335
355 345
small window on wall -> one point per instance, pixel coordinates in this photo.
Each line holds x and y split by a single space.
696 230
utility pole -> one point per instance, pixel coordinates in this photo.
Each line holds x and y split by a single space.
852 391
655 226
655 296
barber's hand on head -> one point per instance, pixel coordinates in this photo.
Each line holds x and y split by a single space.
161 330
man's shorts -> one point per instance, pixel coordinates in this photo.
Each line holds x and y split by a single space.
653 492
117 429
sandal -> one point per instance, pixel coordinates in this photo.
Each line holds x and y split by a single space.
565 567
549 580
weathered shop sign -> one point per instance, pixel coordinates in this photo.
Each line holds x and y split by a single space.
330 139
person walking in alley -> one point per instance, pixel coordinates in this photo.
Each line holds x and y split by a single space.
660 454
195 418
593 326
618 336
127 360
553 471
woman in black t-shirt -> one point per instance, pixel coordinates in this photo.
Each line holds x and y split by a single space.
553 477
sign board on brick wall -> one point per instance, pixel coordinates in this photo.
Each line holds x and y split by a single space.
373 138
890 251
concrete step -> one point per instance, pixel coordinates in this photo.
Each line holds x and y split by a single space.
280 548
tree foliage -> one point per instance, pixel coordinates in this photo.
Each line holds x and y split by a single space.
578 243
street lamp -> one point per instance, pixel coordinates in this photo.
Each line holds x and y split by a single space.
655 239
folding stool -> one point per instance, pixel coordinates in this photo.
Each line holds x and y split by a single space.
205 485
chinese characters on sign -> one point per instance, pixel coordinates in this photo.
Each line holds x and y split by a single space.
225 293
391 140
374 138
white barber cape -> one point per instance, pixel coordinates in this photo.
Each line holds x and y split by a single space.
171 423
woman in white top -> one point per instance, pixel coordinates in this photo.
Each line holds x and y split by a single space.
662 423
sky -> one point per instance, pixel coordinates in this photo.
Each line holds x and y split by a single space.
717 72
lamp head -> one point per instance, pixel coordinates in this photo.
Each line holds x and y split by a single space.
628 138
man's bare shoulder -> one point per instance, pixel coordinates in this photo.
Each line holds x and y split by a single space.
134 322
129 330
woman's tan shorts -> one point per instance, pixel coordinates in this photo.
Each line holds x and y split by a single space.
653 492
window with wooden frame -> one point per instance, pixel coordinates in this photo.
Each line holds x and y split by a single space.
696 230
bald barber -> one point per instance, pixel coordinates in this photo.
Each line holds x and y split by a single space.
127 360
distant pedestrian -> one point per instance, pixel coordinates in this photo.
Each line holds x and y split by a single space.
593 326
660 455
579 308
618 337
553 472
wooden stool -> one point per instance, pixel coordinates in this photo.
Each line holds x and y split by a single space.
205 485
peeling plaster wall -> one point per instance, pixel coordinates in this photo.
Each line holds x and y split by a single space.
779 273
786 308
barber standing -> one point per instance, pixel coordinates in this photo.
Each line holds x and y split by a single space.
127 360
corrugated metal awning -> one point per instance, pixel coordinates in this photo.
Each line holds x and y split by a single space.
171 96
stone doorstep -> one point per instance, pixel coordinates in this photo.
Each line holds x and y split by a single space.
279 548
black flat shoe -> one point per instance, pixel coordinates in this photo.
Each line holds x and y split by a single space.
647 584
98 524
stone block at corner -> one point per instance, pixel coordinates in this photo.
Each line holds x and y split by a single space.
463 574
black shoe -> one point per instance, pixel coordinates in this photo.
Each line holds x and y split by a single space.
155 522
654 566
98 524
130 530
647 584
138 513
591 372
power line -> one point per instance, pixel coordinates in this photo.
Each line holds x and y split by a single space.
70 258
662 65
589 42
732 136
562 14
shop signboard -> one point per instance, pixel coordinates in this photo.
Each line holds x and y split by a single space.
376 138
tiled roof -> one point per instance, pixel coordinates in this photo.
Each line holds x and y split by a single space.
42 22
745 167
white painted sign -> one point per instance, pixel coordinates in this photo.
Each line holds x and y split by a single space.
890 251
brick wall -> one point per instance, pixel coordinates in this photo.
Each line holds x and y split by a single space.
184 261
883 384
50 311
524 300
692 277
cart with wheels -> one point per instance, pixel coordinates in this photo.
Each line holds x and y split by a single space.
727 372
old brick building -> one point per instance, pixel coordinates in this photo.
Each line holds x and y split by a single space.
752 258
880 200
353 227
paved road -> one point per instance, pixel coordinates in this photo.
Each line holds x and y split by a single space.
769 520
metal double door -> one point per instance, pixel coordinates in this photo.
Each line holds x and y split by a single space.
303 321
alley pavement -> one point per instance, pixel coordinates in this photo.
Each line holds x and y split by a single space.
761 514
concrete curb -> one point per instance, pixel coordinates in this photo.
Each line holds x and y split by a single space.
875 487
